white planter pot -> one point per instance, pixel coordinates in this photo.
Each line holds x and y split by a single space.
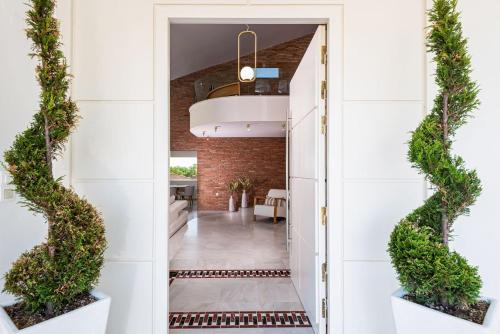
412 318
232 207
90 319
244 200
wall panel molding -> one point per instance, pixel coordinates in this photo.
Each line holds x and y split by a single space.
114 141
113 50
127 211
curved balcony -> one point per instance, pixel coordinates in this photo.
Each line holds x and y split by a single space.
240 116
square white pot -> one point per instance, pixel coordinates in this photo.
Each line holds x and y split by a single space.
89 319
413 318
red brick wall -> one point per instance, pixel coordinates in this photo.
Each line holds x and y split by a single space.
223 159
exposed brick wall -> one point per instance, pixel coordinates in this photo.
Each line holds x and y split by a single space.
223 159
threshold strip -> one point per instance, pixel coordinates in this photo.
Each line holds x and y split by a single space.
235 319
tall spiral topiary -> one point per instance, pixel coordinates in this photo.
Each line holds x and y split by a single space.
427 268
68 264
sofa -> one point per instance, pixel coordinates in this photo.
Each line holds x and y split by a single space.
177 219
177 216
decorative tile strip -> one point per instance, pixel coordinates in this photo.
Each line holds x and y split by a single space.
240 273
235 319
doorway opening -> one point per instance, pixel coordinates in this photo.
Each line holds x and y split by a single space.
183 175
247 242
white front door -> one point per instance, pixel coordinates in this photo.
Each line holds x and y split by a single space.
307 180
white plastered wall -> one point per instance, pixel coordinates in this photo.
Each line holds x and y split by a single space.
385 93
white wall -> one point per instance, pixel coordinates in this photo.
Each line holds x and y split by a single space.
383 100
385 95
113 168
113 147
387 86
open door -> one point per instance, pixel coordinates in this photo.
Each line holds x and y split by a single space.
307 180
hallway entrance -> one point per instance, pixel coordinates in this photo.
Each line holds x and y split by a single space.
194 264
252 262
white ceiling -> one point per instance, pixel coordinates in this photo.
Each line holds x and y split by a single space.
198 46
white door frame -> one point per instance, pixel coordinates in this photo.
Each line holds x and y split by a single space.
265 11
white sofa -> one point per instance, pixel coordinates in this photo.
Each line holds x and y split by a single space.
177 216
275 209
177 219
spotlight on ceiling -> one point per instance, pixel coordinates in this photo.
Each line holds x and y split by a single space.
248 127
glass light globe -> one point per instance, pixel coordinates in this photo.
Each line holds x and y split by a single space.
247 73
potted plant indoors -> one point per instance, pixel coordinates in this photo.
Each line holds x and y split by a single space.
54 281
232 187
246 185
440 290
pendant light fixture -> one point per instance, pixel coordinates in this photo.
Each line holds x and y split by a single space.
247 73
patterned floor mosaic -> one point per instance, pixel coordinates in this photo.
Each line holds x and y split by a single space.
254 273
231 319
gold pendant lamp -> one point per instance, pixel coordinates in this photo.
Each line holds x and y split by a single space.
247 73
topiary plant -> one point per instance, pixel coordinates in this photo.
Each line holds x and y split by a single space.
427 268
68 264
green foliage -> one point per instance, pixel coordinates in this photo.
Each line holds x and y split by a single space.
245 183
419 244
233 186
184 171
68 264
429 270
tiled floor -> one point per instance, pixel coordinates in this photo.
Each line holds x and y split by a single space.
241 294
222 240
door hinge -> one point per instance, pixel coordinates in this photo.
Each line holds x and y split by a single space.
324 272
323 89
324 308
323 54
323 215
324 122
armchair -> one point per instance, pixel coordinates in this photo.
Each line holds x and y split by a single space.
274 208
